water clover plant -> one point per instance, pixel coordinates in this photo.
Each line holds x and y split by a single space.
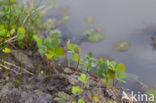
76 90
7 50
75 50
85 80
50 48
89 63
81 101
111 71
63 97
93 35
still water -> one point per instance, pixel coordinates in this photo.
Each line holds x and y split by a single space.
122 20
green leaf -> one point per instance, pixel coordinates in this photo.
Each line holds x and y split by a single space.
51 43
95 37
59 51
77 50
20 37
55 43
88 32
21 30
72 47
7 50
110 74
102 67
81 101
120 76
37 39
113 64
42 49
75 57
76 90
120 68
89 20
56 33
3 33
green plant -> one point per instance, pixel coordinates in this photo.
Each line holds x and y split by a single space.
111 71
50 47
85 80
62 97
111 102
7 50
76 90
81 101
89 63
93 36
20 20
75 50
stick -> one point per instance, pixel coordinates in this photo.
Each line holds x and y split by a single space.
17 67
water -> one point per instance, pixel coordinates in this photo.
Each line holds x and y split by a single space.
122 20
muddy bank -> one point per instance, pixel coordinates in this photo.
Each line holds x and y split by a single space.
38 88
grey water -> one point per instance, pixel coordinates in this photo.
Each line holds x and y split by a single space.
122 20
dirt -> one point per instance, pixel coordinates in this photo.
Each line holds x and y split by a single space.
38 88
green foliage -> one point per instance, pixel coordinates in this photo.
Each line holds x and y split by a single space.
81 101
122 46
50 46
17 82
85 80
23 19
93 36
75 50
76 90
89 20
72 48
111 70
62 97
7 50
89 63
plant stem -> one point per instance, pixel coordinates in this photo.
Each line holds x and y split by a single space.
113 81
49 66
76 68
66 55
54 66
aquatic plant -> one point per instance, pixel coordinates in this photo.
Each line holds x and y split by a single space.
62 97
92 35
110 70
76 90
50 48
89 62
85 80
121 46
6 50
89 20
81 101
75 50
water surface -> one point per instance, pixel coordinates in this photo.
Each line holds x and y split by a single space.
122 20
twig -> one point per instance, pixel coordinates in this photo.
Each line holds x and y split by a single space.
17 67
9 69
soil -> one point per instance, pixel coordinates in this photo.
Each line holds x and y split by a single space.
38 88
